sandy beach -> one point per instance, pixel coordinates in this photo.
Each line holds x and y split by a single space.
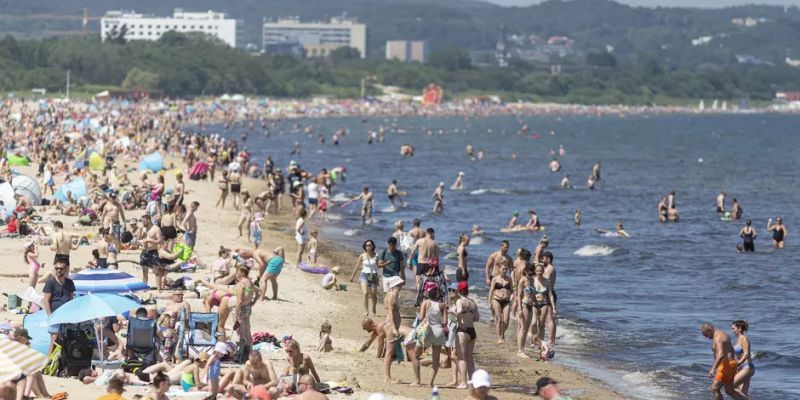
302 307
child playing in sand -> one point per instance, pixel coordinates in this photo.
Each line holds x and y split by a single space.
325 342
255 229
312 247
546 350
330 281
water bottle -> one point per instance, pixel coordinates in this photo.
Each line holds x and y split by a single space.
435 393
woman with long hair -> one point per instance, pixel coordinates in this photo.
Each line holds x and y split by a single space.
744 356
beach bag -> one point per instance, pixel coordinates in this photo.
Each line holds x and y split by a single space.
406 243
185 251
421 333
398 351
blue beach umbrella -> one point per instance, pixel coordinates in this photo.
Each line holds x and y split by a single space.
101 280
91 307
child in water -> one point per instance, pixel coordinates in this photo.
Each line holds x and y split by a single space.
312 247
325 342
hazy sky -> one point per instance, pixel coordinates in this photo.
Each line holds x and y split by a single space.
674 3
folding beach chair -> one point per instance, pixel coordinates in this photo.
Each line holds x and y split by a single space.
201 334
142 345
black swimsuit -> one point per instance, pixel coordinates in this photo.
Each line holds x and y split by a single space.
777 235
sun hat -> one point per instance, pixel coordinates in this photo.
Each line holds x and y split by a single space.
480 378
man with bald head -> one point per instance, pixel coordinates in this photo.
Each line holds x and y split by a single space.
725 363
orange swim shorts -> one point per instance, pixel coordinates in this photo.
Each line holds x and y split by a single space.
726 371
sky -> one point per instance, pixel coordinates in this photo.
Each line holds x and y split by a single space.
668 3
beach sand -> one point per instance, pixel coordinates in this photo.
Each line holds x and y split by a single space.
302 307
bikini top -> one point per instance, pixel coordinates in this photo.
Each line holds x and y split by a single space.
498 285
738 350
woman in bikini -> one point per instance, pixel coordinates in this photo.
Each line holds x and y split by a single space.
544 309
247 213
219 296
32 258
525 299
296 360
462 274
246 294
300 235
169 229
466 316
500 290
222 184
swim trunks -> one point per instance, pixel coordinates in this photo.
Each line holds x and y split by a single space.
726 371
64 258
236 187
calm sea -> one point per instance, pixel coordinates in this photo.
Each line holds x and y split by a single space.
630 309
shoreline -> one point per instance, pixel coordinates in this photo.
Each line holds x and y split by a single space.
302 307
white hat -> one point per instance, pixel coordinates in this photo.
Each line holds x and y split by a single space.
480 378
222 348
393 281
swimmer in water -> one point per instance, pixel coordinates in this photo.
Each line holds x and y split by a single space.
779 233
513 221
596 171
561 151
620 231
391 193
459 183
591 182
480 155
565 182
438 199
554 165
468 150
663 210
533 220
721 202
577 217
736 209
748 235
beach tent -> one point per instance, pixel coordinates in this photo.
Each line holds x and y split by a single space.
28 187
7 201
36 324
17 160
151 162
77 187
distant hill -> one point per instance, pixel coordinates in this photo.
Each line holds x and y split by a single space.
594 25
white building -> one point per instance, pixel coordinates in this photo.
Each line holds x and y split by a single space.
150 27
318 39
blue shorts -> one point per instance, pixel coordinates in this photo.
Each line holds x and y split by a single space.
116 230
190 238
371 280
312 201
54 329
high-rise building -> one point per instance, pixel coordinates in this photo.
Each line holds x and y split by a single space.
407 50
150 27
317 38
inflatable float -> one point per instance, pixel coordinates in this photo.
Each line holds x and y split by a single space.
313 269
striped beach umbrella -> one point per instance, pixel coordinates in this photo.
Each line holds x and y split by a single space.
101 280
17 358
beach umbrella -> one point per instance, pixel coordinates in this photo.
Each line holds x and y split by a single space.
91 307
77 187
26 186
17 359
102 280
7 201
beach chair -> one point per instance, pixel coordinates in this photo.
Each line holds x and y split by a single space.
142 345
76 348
201 334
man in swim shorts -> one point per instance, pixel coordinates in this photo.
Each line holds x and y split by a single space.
721 202
725 363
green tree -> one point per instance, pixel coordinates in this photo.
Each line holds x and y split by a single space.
451 59
140 79
344 54
601 60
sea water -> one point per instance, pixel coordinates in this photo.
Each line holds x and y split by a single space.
629 309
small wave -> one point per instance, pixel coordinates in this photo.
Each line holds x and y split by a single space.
479 192
350 232
333 217
340 197
593 250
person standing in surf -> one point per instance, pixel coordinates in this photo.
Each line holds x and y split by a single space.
721 202
391 193
779 232
725 364
736 210
367 200
748 235
596 171
438 199
459 183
